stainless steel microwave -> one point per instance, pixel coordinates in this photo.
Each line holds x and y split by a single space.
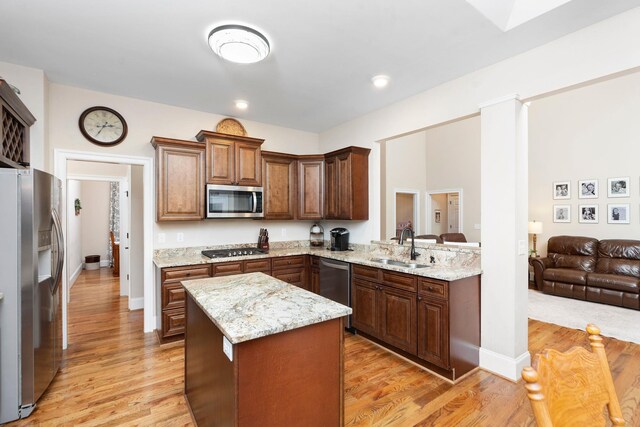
230 201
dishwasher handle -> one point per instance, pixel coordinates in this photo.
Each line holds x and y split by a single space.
340 266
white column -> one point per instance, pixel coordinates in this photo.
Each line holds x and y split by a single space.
504 211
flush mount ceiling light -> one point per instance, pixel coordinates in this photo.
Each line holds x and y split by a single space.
237 43
241 104
380 81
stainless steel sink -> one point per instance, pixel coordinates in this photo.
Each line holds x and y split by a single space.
388 261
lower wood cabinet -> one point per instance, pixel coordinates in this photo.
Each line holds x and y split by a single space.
433 322
291 269
314 274
386 313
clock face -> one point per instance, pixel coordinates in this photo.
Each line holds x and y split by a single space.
103 126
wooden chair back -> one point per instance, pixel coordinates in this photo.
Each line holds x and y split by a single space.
572 388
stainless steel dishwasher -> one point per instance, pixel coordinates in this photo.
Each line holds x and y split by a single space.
335 283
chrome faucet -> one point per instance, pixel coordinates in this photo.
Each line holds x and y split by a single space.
413 242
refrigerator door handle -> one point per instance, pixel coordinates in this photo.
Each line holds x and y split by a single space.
60 261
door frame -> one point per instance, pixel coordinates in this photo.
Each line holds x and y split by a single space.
125 218
460 207
60 158
416 207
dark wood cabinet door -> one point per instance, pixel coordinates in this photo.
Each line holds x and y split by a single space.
398 318
279 186
433 331
220 161
294 276
314 286
172 322
331 188
247 164
365 307
179 181
345 201
310 188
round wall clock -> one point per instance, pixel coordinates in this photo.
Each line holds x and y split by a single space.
103 126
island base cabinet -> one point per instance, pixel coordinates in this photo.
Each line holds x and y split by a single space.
292 378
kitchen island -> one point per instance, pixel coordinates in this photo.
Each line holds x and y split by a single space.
259 351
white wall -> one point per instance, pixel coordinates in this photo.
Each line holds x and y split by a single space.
585 133
136 239
438 201
453 161
146 119
96 169
33 85
74 232
405 162
95 218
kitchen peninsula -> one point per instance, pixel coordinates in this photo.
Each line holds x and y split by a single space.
258 350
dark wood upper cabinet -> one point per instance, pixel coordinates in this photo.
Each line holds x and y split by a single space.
179 179
310 187
232 159
347 184
15 121
279 178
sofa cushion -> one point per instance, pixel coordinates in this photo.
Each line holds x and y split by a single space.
565 275
619 257
614 281
573 252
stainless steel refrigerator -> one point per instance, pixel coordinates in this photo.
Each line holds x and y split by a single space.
31 257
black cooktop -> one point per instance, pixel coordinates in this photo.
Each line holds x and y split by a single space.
225 253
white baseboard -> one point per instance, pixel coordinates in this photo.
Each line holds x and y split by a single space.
75 275
136 303
504 366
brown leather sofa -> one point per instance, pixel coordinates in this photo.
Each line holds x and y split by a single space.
605 271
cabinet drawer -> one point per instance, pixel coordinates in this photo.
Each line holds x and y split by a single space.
362 271
178 274
227 268
436 288
288 262
172 296
173 322
399 280
293 276
262 265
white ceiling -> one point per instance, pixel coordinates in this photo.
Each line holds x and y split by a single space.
323 56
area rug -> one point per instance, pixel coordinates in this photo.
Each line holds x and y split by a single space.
615 322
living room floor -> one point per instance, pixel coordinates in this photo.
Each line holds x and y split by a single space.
113 374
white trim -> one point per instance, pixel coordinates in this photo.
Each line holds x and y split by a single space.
460 207
75 275
84 177
136 303
416 208
504 366
498 100
60 157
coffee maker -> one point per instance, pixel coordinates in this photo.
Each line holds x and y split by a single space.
339 239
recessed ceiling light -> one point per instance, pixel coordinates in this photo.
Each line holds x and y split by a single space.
380 81
237 43
241 104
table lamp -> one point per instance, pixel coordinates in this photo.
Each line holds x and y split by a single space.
535 228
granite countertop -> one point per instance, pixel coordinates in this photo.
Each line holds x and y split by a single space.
437 271
254 305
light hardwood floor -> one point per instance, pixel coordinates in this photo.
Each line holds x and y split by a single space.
113 374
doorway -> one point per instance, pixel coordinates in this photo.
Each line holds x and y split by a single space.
406 211
444 211
144 265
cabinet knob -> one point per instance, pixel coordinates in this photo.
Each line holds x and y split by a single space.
188 274
419 298
430 288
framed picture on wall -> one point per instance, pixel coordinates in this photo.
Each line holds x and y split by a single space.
561 190
588 214
561 213
436 216
588 189
618 187
618 214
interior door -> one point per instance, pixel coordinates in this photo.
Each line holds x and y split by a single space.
453 212
125 233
